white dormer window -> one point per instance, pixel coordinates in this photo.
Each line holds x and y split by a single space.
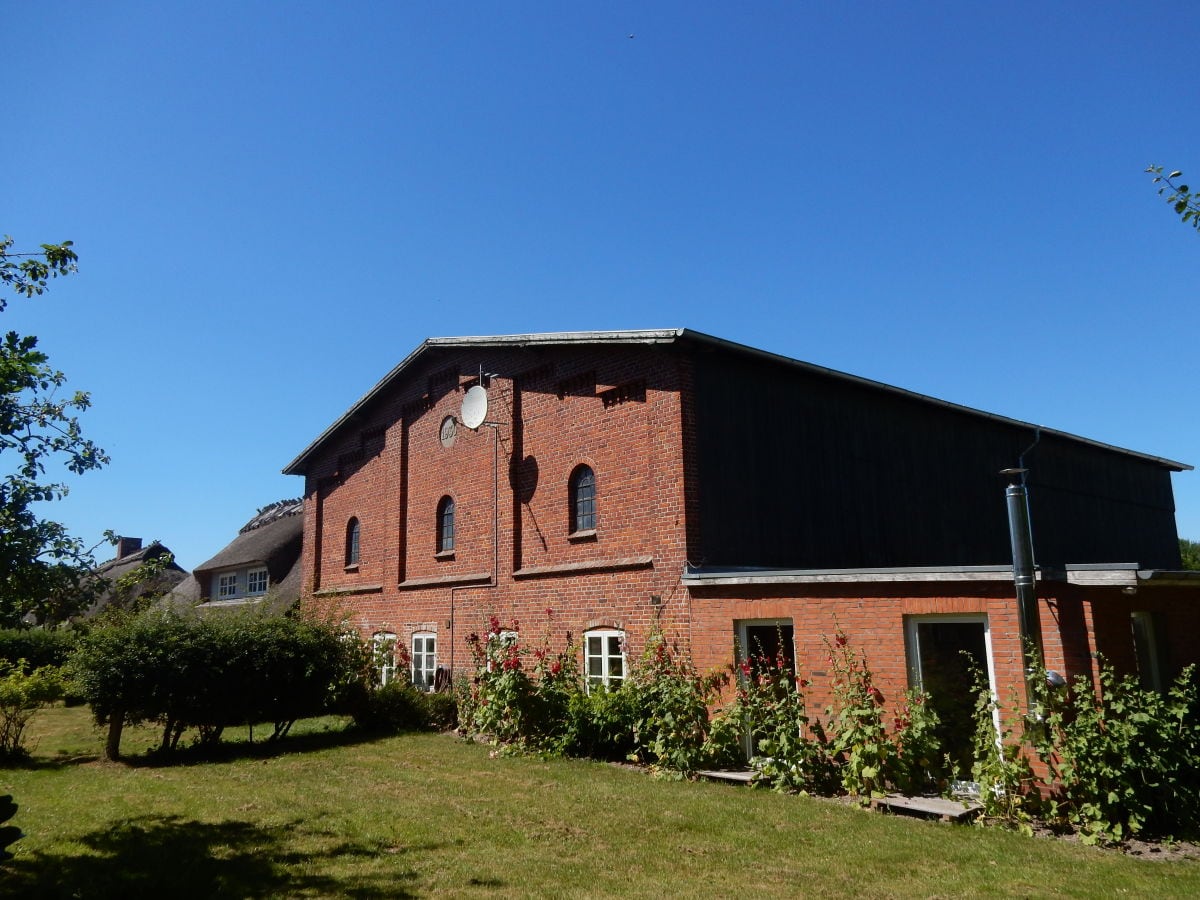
256 581
227 586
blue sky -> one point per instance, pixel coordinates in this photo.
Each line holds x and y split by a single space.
275 203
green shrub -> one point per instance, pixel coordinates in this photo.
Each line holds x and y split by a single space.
670 703
210 672
600 724
520 695
1007 786
440 710
398 706
1123 760
869 757
36 647
787 750
22 694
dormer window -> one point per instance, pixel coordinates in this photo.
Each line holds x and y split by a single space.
240 583
256 582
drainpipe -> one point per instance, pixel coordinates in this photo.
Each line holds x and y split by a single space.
495 581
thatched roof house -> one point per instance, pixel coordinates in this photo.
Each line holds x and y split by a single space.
260 566
122 589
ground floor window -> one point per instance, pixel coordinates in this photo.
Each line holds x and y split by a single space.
946 657
767 644
424 660
1148 647
383 652
604 657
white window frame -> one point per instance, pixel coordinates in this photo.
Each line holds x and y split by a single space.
912 642
257 581
912 652
227 586
424 660
605 678
745 651
383 652
504 638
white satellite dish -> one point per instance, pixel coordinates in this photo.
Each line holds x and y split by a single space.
474 407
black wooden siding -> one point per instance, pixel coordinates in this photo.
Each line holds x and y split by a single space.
809 470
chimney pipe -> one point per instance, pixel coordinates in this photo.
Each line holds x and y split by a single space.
128 545
1021 535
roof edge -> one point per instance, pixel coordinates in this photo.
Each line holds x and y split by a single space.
675 335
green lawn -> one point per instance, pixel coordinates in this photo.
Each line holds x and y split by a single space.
330 815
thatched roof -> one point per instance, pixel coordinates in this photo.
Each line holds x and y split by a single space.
272 538
115 569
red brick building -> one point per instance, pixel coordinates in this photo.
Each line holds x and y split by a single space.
621 481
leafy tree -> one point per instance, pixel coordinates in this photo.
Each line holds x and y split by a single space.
1189 551
1182 199
41 565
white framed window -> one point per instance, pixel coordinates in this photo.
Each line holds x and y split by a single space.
227 586
424 660
604 657
944 652
256 581
767 644
383 653
498 643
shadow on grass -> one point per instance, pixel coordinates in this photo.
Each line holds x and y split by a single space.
231 751
173 857
196 754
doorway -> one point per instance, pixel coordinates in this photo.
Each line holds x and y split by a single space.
945 653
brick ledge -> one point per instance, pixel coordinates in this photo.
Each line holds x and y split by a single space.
590 565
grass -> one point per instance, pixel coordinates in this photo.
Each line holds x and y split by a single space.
332 814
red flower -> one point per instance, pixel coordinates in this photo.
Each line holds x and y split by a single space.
745 667
555 667
549 613
494 625
840 640
802 682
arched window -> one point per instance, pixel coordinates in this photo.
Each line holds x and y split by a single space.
582 491
445 525
604 658
352 542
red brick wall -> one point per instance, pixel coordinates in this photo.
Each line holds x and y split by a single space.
509 484
514 556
